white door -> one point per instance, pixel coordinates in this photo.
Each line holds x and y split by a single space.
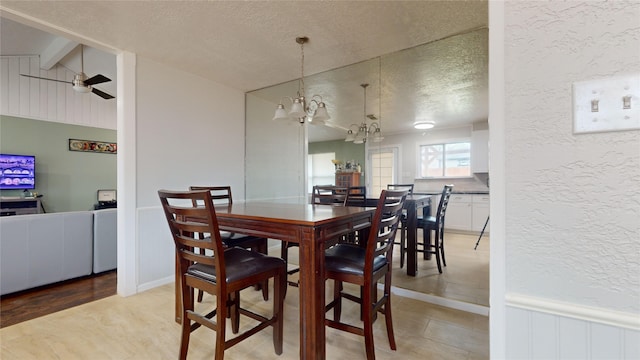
383 165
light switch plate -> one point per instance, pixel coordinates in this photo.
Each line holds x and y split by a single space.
609 104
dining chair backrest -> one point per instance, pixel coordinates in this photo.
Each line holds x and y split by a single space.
401 187
189 213
219 194
328 194
356 196
383 226
442 209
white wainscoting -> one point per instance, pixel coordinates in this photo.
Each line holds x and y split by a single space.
547 329
25 97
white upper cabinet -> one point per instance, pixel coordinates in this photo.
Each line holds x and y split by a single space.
480 151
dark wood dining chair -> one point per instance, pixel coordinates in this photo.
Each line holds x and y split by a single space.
356 196
321 195
403 221
221 271
408 187
428 224
364 266
222 195
328 194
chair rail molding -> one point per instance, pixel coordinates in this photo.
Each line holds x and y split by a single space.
550 329
575 311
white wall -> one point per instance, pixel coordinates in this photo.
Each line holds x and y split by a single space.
190 131
572 201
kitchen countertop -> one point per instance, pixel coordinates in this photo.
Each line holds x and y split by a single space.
469 192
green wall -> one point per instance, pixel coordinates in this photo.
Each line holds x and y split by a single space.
68 180
345 150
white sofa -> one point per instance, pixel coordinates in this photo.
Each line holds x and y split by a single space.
41 249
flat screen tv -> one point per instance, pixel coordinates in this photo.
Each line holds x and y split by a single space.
17 171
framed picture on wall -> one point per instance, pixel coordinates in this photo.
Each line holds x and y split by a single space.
93 146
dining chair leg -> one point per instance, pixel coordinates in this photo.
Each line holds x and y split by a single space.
187 305
444 261
368 325
221 316
437 253
279 287
426 241
387 311
234 311
337 297
403 231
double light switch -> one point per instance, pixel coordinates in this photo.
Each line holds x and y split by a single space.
610 104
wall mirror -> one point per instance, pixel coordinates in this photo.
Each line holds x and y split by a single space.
445 81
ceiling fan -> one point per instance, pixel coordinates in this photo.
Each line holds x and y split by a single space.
81 83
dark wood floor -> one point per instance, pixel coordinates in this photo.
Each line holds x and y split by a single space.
30 304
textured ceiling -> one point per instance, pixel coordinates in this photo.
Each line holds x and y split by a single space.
250 45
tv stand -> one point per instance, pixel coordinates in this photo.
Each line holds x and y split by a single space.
19 206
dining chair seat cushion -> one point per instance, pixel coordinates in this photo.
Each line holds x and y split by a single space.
429 222
240 263
349 258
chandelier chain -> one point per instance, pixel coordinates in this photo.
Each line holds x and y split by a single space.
302 66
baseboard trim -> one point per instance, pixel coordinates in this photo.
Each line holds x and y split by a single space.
432 299
575 311
153 284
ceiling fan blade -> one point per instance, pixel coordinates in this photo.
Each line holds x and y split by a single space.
102 94
96 80
41 78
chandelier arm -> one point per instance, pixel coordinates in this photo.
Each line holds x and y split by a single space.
286 97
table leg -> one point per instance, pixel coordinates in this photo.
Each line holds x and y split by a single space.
412 232
312 298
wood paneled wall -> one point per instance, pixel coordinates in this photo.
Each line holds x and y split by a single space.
50 100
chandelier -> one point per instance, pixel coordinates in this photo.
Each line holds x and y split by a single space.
363 132
314 112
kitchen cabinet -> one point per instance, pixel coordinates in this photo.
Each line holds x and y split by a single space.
467 212
480 151
479 212
459 213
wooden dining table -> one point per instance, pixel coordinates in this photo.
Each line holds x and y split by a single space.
310 226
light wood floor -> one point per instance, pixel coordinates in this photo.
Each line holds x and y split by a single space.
142 326
465 278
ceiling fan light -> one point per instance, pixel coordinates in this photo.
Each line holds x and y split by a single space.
281 113
424 125
81 88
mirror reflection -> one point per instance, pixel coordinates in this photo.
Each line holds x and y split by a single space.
445 83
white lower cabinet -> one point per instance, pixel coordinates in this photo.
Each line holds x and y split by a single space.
459 213
467 212
480 212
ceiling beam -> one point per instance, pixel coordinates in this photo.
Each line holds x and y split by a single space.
58 49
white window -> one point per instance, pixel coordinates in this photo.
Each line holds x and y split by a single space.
321 170
445 160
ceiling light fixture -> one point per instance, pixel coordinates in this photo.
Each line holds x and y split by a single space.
315 112
424 125
364 131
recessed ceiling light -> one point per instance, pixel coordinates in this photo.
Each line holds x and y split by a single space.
423 125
